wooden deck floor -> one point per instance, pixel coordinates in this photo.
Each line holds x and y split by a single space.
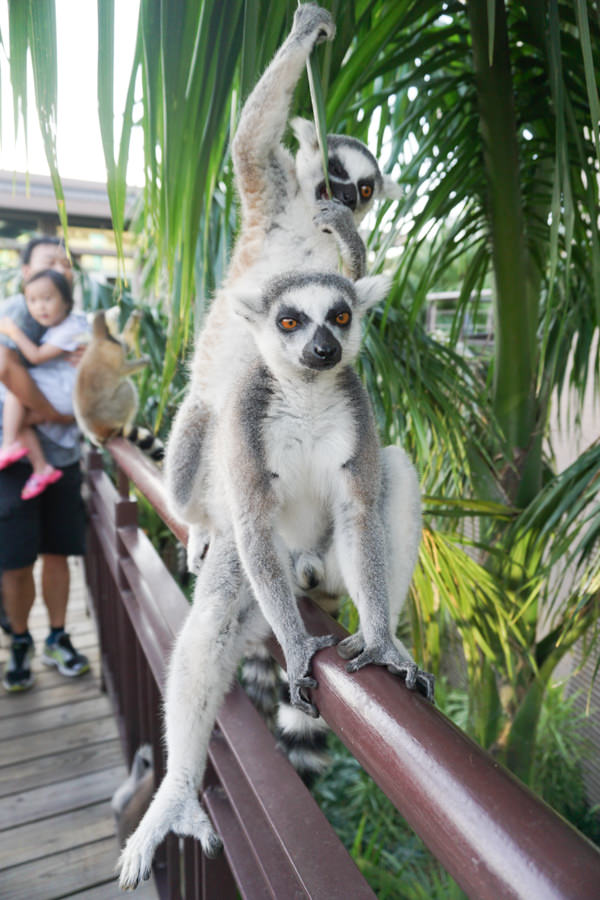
60 762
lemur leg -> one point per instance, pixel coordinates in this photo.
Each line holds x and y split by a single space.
264 563
184 471
202 667
265 113
377 550
401 513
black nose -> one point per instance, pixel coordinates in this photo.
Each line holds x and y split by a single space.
324 351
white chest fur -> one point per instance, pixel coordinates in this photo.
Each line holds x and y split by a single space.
308 437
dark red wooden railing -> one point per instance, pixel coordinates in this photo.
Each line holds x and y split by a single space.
490 832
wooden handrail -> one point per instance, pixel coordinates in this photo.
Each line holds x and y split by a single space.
493 835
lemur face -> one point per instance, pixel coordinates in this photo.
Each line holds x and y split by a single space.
354 175
312 323
309 323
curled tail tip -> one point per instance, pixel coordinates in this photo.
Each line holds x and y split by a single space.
146 441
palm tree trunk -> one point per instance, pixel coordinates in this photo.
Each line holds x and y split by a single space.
515 304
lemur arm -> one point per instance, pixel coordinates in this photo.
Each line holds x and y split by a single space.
256 147
185 451
253 505
131 366
336 219
361 544
273 590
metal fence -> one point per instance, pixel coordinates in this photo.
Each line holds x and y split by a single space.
493 835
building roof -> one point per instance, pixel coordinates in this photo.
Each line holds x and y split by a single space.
28 200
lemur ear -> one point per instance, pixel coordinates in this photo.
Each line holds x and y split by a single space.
247 304
305 132
111 317
100 327
371 290
391 189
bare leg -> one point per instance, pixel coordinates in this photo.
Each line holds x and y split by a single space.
18 591
29 439
13 416
19 382
55 587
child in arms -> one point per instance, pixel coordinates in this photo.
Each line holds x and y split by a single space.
49 302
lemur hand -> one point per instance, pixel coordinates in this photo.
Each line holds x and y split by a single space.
299 668
333 217
385 653
314 23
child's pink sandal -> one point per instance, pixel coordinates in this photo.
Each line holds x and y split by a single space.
38 482
12 454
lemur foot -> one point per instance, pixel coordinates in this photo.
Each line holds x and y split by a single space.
354 649
174 808
298 672
310 21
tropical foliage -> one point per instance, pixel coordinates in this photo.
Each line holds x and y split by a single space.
488 114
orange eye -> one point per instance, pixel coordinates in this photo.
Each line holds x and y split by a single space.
288 324
366 191
342 318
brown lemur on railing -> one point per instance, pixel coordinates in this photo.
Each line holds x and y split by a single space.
105 399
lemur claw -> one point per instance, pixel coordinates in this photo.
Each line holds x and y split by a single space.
299 676
389 656
416 679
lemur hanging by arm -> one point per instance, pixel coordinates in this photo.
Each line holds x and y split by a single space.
296 465
242 460
287 223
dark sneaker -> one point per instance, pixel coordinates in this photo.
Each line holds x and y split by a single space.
18 675
62 654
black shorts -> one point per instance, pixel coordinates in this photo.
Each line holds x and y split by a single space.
53 522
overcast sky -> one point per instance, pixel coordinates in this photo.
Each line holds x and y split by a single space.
78 137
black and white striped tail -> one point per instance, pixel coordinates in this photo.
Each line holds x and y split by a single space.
146 441
302 738
260 677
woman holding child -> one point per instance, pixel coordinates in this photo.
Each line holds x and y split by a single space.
41 509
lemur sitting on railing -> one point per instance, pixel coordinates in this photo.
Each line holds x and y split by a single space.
275 454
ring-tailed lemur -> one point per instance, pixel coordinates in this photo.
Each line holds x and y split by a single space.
105 399
287 223
297 475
